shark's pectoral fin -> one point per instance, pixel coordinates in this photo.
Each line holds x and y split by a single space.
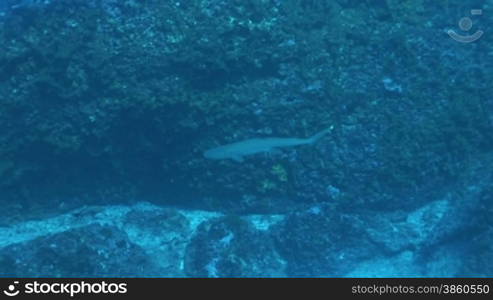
238 158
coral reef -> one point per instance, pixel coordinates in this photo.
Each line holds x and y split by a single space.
110 101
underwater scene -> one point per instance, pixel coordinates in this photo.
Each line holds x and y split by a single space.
246 138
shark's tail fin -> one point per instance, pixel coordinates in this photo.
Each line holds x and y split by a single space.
319 135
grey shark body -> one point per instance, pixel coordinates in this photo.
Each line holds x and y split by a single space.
237 151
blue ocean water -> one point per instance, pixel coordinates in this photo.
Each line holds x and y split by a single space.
232 138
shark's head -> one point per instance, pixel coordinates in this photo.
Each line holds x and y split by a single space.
215 153
224 152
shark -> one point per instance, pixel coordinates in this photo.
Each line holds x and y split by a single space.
237 151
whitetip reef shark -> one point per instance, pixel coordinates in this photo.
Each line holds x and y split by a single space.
236 151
